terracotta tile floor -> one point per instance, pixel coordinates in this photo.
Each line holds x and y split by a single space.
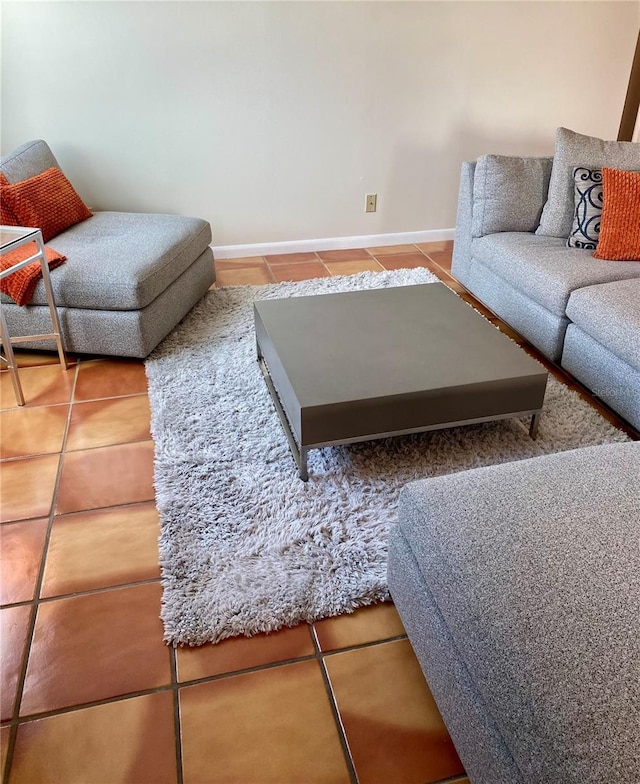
90 693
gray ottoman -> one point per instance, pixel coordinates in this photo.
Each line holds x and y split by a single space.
519 587
128 280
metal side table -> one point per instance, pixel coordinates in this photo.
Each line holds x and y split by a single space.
12 237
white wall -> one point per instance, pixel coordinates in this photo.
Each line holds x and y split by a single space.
274 119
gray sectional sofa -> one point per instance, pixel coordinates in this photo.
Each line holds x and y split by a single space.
519 584
129 278
580 312
524 613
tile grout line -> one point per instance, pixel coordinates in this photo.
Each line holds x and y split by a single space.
70 451
177 723
82 511
318 655
324 267
269 270
106 446
90 591
36 593
67 402
63 710
103 508
342 735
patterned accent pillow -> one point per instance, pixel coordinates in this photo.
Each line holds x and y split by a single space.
620 228
588 208
47 202
575 149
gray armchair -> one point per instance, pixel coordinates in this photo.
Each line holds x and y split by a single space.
128 280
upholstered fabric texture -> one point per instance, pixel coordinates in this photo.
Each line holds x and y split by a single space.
543 269
508 193
482 750
602 371
26 161
541 602
124 333
620 227
610 313
571 150
587 212
20 284
464 217
47 201
602 345
544 329
124 260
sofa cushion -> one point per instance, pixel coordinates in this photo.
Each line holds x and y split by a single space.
27 160
574 149
544 269
614 381
620 228
508 193
121 333
123 261
534 566
610 314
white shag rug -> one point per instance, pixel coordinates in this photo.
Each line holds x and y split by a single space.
245 546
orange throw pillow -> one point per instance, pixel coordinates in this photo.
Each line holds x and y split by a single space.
47 202
620 224
7 216
21 284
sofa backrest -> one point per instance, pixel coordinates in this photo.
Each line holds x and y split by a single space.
26 161
509 193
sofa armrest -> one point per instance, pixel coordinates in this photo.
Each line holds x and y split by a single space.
497 193
463 236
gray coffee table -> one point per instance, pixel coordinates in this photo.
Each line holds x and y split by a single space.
363 365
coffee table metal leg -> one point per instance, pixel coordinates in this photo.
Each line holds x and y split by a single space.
299 454
533 427
302 465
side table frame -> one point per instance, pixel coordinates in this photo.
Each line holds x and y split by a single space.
24 236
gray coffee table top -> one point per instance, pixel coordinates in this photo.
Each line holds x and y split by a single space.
358 365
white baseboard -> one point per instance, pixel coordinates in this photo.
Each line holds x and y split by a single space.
331 243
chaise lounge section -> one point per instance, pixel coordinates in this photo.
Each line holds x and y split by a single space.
129 278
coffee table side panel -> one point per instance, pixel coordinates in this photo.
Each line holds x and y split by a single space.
424 410
278 376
